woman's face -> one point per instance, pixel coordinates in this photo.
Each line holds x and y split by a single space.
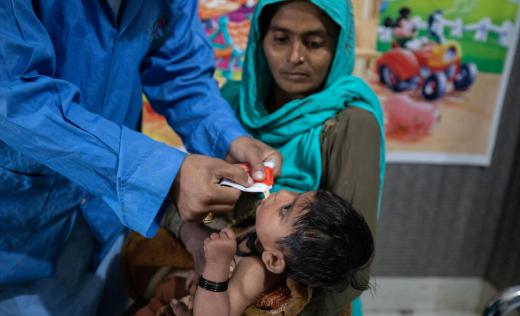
299 46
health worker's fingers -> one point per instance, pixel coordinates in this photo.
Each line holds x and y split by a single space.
277 159
222 194
221 208
257 165
231 172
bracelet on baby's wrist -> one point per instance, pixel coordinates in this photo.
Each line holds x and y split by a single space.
213 286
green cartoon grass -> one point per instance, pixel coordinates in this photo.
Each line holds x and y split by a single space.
489 56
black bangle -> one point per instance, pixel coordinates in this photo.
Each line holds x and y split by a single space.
213 286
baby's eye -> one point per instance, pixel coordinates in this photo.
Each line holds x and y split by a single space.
284 210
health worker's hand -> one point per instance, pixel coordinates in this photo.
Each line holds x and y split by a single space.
196 190
254 152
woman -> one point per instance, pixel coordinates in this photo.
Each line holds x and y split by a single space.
297 95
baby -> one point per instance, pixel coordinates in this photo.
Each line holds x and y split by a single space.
315 238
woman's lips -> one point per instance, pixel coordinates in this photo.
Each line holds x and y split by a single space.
296 76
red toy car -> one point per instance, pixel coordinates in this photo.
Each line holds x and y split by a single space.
429 68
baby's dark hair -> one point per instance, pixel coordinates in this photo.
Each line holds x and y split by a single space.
331 242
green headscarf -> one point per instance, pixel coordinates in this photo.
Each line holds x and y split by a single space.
295 128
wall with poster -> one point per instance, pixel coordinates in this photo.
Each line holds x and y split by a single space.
439 67
442 75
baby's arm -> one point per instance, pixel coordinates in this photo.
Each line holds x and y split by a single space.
219 250
249 280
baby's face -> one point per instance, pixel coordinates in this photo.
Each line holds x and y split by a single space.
276 216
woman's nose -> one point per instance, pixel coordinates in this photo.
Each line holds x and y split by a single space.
296 53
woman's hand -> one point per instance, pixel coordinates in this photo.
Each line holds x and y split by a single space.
192 235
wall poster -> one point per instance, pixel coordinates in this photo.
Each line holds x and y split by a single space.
441 76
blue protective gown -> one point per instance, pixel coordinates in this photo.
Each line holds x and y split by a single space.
71 80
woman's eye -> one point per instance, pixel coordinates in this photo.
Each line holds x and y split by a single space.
280 39
316 44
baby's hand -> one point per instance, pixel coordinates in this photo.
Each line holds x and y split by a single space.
220 248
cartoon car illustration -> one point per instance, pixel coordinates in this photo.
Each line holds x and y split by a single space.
429 68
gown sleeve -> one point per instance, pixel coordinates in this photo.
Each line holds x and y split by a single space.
42 117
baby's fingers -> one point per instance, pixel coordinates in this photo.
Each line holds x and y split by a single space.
227 233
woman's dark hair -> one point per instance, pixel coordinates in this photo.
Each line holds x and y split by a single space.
330 244
270 10
266 16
